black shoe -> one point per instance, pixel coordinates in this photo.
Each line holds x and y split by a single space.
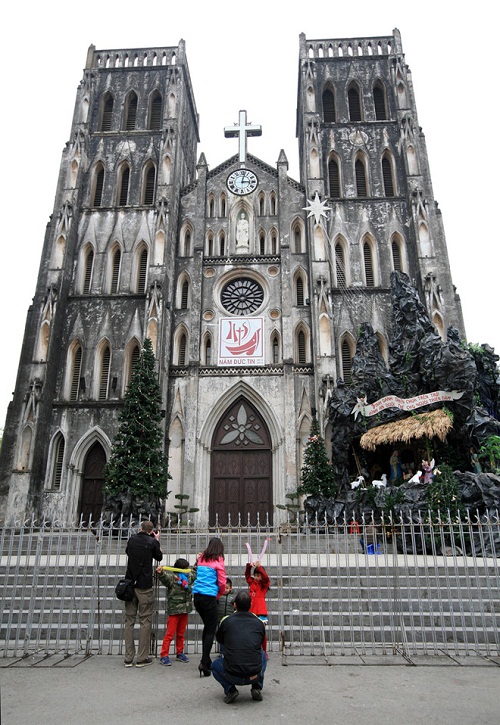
143 663
204 670
256 694
231 696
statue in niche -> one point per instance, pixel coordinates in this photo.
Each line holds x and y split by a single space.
242 232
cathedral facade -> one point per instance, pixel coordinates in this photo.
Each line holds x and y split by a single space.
251 285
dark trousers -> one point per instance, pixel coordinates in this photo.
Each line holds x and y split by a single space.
228 681
206 607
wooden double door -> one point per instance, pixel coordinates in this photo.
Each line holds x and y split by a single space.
91 497
241 468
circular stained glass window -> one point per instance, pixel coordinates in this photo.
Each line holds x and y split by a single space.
242 296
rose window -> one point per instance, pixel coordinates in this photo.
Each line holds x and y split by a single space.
242 296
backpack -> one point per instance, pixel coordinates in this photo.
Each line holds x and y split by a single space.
124 590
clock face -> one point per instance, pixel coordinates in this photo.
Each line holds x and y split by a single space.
242 181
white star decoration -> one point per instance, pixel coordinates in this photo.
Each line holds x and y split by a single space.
317 208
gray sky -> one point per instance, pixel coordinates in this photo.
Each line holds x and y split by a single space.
246 56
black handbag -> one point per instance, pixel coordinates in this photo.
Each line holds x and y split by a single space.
124 590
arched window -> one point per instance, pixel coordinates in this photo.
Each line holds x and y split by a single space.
387 176
88 267
116 259
57 462
262 243
334 178
149 185
299 291
301 348
346 362
223 206
222 244
297 238
379 102
184 295
123 184
208 350
368 265
211 208
131 111
182 349
340 266
396 255
261 204
105 359
75 371
273 204
134 357
328 106
142 270
275 349
131 357
155 104
98 185
274 242
106 112
354 104
210 244
187 243
360 174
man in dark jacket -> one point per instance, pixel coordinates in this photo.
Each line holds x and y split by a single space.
244 661
141 549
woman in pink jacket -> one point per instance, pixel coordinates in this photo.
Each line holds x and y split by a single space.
209 585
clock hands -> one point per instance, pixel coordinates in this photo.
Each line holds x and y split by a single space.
242 181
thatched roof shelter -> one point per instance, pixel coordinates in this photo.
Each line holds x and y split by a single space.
435 423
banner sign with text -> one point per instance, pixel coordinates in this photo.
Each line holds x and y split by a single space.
241 341
392 401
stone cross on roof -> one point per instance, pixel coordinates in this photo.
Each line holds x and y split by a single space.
242 130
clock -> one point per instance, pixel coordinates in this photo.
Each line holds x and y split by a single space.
242 181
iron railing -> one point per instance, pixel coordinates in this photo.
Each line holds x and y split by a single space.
412 586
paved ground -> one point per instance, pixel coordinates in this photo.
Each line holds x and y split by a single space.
101 691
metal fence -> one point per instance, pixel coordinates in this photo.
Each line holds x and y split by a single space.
412 587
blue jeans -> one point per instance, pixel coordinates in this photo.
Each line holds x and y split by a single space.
228 681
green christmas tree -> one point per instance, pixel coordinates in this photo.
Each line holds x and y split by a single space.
316 475
136 474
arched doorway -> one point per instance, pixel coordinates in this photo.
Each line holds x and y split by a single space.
92 483
241 467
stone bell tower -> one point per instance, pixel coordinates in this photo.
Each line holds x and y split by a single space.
363 153
106 277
